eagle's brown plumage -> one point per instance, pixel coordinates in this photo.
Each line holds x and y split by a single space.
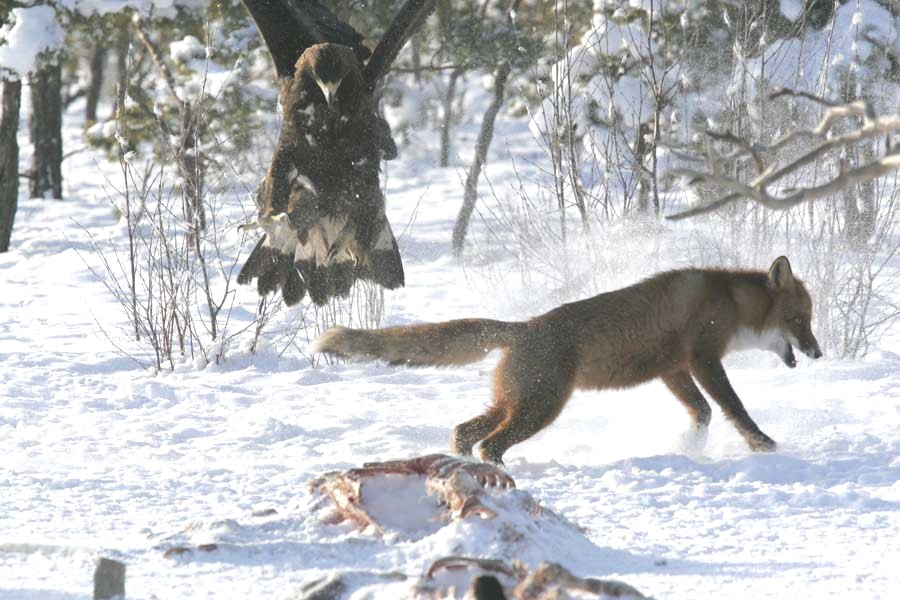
321 205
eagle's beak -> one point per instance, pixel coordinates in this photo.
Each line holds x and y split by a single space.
329 90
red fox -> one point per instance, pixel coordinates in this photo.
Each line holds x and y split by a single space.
676 325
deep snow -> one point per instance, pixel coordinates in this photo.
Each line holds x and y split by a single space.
102 456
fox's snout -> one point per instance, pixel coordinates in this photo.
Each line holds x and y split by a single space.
811 348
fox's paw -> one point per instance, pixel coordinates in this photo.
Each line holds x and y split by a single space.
761 443
491 455
693 441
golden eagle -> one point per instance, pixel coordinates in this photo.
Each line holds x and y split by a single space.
320 204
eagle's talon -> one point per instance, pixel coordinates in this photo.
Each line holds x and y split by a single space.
264 220
340 244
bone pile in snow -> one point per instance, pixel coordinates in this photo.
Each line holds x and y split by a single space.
462 489
458 484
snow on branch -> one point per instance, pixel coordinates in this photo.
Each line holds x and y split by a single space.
36 29
759 190
33 30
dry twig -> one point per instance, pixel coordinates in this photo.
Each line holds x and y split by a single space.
768 175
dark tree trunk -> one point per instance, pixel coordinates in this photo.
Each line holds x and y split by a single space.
9 160
98 63
448 118
859 200
121 74
641 154
481 148
190 164
46 132
415 43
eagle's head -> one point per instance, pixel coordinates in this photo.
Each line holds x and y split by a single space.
328 65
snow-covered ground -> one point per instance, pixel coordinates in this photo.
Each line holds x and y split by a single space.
100 456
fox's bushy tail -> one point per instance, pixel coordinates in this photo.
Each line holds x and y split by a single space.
451 343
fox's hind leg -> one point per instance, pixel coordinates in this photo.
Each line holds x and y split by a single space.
532 388
466 435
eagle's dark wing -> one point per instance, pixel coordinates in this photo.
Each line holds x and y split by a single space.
408 19
289 27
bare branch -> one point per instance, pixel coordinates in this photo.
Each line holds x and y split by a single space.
745 147
712 206
759 195
157 59
768 175
779 92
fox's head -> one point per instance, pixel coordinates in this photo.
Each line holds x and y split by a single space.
791 313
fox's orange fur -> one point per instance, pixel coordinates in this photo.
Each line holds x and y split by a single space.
676 326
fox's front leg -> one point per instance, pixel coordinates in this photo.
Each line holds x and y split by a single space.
710 373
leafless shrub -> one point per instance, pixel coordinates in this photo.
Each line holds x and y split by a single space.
844 244
172 275
173 283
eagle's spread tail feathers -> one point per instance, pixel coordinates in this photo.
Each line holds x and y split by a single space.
273 270
307 269
383 265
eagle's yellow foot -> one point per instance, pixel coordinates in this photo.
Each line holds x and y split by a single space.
262 221
341 244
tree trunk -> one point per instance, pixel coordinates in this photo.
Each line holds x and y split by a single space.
481 148
415 43
121 74
9 159
859 200
641 153
46 132
95 84
191 167
448 118
574 176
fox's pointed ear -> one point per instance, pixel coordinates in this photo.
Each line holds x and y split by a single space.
780 274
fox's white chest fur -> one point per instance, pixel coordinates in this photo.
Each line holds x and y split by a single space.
749 339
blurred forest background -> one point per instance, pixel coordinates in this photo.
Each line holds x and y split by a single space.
617 97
